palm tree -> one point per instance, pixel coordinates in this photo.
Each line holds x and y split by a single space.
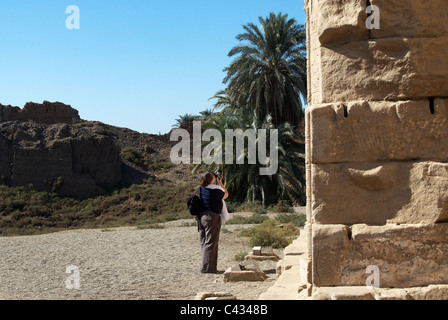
243 181
206 114
223 100
268 76
186 118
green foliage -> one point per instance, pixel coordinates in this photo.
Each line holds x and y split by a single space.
157 164
271 233
133 156
243 181
240 256
254 219
253 206
268 75
206 114
296 219
26 211
57 184
281 206
188 118
265 84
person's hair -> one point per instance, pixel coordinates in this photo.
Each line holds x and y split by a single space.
206 179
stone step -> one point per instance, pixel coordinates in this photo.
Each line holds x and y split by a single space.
431 292
296 248
292 272
299 245
287 263
294 253
286 287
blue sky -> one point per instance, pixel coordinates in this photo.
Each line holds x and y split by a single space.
137 64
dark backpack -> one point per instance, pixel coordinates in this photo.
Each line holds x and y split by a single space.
194 204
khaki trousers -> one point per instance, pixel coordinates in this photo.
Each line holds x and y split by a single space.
209 230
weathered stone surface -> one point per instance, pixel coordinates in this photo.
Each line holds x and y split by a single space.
47 113
376 160
379 131
5 160
384 69
403 59
287 287
339 20
329 245
412 18
343 293
345 20
69 160
254 257
379 193
235 274
406 255
214 296
431 292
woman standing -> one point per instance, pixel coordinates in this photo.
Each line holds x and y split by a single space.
210 220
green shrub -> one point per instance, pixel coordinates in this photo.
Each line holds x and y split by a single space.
240 256
232 206
27 211
57 184
133 156
271 233
282 206
254 219
159 164
252 206
296 219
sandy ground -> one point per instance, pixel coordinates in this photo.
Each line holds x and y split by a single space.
124 263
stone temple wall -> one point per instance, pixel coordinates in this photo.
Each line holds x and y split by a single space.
377 143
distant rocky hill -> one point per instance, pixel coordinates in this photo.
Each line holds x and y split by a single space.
47 113
49 146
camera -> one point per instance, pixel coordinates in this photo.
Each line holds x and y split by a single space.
217 174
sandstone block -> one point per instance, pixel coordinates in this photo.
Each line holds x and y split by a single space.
383 69
338 20
377 160
379 131
329 245
305 270
406 255
235 274
253 257
214 296
343 293
412 18
287 287
344 21
431 292
379 193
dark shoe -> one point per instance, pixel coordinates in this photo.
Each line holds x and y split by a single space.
215 272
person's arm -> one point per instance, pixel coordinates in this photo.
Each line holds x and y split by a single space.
226 193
